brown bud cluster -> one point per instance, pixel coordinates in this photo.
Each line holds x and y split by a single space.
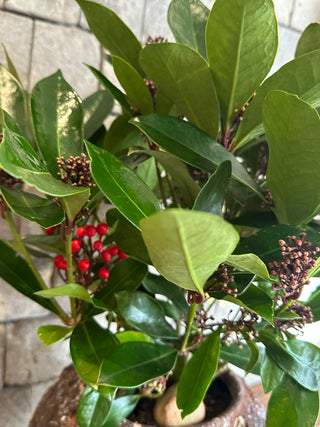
298 258
8 180
242 327
268 200
301 310
157 39
221 279
76 171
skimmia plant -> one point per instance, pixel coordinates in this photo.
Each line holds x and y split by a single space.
212 173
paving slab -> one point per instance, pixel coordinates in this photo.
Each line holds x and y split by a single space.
304 13
16 35
3 333
67 48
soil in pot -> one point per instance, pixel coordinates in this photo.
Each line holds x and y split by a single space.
229 403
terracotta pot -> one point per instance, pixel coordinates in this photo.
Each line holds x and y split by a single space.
58 406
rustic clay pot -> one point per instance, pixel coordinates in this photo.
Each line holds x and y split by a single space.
58 406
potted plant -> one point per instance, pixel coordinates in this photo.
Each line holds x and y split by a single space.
211 170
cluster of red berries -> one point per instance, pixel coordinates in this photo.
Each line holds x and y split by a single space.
94 251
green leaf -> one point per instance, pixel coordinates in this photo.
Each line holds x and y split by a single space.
290 124
292 405
271 374
44 212
111 32
198 373
238 357
254 356
239 60
309 40
11 67
212 195
184 77
57 119
126 191
70 290
251 263
133 363
147 171
187 20
121 408
133 84
133 336
314 303
53 243
7 121
300 76
182 256
96 108
19 159
191 145
145 314
16 272
122 135
74 203
50 334
89 345
93 409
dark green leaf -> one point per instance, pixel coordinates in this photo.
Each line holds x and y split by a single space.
289 124
212 196
93 409
133 84
147 171
254 355
191 145
184 77
187 20
50 334
123 135
57 119
238 357
121 408
291 405
309 40
44 212
96 108
133 363
145 314
126 191
238 60
271 374
111 32
89 345
53 243
177 252
198 374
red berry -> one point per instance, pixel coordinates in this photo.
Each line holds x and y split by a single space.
114 250
75 245
122 255
98 245
104 273
83 265
90 230
80 231
60 262
49 230
102 229
106 255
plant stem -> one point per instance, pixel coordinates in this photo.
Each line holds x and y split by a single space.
174 196
7 214
163 194
68 241
191 314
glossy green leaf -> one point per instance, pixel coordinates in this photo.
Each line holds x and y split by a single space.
112 89
300 76
292 127
57 119
133 363
239 61
7 121
191 145
44 212
147 171
126 191
198 373
291 405
212 195
70 290
177 251
144 313
133 336
238 356
121 408
133 84
89 345
19 159
299 359
50 334
184 77
122 135
187 20
159 285
93 409
251 263
16 272
309 40
111 32
50 243
271 374
96 108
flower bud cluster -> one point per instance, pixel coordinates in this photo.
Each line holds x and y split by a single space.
305 316
242 327
220 280
76 171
